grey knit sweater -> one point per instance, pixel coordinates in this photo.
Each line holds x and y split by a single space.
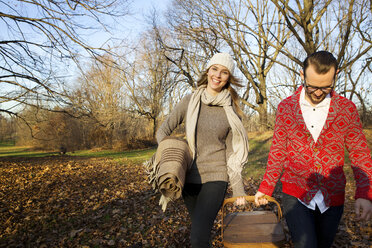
213 143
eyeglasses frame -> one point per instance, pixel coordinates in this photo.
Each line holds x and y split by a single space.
328 89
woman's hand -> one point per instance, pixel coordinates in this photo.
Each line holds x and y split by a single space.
259 199
240 201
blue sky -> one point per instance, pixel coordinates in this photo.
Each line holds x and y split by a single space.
131 25
136 23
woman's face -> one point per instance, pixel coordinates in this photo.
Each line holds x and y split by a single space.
218 75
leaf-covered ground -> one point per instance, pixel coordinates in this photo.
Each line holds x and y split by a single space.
97 202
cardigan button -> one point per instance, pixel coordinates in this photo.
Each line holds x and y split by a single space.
317 165
316 149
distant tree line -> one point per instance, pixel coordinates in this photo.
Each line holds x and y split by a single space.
58 131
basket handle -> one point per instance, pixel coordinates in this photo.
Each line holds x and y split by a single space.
249 198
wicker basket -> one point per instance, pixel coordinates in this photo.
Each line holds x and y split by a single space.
252 228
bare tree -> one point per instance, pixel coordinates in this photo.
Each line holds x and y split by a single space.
358 77
7 129
247 29
54 131
147 79
40 39
100 96
264 35
341 27
338 26
180 49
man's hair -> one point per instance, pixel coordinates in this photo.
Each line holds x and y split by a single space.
322 61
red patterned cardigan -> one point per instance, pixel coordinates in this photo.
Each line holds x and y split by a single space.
307 166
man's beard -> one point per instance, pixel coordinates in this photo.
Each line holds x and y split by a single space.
316 100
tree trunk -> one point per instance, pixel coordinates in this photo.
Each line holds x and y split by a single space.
263 117
155 127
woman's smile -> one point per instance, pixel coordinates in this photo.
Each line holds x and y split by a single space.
218 75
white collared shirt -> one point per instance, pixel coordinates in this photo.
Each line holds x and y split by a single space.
315 118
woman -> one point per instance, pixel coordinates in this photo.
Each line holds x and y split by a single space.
218 141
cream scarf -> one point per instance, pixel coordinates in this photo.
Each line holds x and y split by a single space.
239 157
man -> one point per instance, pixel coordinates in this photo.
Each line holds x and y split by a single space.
311 130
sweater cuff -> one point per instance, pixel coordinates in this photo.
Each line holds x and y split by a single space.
365 194
266 188
238 188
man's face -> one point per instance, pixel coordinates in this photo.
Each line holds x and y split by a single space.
318 86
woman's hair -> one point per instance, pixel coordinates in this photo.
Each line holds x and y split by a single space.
203 80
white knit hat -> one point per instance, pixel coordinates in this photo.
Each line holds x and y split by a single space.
222 59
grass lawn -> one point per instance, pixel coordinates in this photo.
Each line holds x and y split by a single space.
134 155
259 147
10 150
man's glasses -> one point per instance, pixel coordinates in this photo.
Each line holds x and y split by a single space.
311 89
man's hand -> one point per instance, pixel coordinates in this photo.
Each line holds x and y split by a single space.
363 209
259 199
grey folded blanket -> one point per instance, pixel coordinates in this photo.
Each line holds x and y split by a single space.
167 169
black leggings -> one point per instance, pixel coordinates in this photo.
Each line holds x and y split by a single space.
203 201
